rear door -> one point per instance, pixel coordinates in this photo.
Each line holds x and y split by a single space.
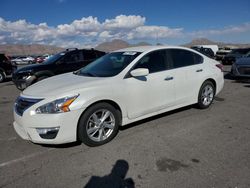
189 74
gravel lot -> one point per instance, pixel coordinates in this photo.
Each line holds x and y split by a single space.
183 148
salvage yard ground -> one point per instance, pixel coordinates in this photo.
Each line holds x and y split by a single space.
184 148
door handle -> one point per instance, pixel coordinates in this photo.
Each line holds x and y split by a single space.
199 70
169 78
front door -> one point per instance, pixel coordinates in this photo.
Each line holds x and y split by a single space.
151 93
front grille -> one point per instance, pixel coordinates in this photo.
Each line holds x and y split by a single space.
23 104
244 70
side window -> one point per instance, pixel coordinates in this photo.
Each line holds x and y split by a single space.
89 55
198 59
182 58
73 57
154 61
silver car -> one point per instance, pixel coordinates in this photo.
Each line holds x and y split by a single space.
241 68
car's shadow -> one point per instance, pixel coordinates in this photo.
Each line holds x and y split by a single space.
8 79
122 128
228 76
61 146
131 125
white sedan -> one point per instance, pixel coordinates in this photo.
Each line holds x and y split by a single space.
117 89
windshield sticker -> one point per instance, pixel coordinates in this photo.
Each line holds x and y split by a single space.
129 53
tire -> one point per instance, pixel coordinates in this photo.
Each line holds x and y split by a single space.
90 129
42 78
206 95
2 76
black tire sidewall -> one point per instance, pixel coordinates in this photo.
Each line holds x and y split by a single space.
200 104
81 131
3 76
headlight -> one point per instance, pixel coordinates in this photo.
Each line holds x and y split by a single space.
26 77
56 106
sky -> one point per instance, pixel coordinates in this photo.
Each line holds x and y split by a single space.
79 23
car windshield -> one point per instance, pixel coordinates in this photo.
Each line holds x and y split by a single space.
108 65
53 58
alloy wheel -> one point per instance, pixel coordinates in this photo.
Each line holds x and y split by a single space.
207 95
100 125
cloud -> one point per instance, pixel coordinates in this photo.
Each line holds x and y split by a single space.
89 31
224 31
124 22
154 32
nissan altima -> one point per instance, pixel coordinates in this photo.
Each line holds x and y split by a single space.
119 88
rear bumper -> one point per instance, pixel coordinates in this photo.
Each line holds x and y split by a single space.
220 84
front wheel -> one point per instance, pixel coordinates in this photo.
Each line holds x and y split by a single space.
99 124
206 95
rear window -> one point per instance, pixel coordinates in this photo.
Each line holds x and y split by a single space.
182 58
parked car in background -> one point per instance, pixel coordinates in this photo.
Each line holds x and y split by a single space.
23 60
220 54
241 68
6 68
231 57
214 48
206 51
39 59
117 89
66 61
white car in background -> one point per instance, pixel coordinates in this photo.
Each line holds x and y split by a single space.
117 89
23 60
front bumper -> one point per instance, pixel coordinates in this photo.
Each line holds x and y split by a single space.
65 125
23 83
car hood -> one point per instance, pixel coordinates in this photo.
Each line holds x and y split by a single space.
243 61
31 68
62 84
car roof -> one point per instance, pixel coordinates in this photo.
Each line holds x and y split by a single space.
147 48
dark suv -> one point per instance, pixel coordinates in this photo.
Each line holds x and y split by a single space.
66 61
231 57
6 67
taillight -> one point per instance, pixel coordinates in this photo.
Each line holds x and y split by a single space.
220 66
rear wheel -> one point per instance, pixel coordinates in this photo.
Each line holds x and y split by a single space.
2 76
99 124
206 95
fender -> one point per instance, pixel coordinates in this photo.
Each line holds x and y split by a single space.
44 73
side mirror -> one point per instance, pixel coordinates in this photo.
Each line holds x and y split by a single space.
139 72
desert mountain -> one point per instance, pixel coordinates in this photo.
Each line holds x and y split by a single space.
113 45
32 49
204 41
37 49
118 44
